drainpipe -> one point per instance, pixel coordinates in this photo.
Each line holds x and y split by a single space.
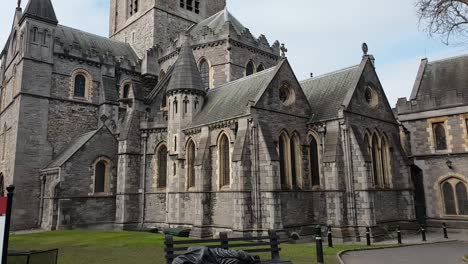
144 136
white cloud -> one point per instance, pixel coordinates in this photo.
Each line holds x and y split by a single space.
321 35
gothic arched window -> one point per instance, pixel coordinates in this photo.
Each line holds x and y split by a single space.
260 68
314 162
449 199
462 198
126 91
295 151
224 162
161 155
100 177
191 164
284 162
439 136
250 68
80 86
376 161
205 73
386 162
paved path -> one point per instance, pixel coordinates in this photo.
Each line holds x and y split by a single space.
439 253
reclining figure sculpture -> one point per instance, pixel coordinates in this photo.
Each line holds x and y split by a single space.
204 255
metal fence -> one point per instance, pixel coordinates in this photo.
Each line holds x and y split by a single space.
33 257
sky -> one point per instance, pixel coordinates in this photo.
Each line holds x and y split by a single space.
321 36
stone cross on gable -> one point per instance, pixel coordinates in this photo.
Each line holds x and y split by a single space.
4 140
283 50
205 31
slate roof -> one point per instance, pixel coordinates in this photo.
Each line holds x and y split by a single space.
87 41
42 10
217 21
326 93
232 99
185 75
437 77
71 149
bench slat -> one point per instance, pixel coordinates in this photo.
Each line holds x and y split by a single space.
250 245
201 241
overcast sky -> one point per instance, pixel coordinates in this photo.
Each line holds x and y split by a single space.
321 35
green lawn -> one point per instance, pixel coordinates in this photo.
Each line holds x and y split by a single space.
101 247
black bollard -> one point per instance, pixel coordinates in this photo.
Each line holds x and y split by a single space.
330 238
368 236
319 245
444 227
423 233
399 235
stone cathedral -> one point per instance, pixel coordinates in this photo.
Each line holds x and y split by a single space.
183 118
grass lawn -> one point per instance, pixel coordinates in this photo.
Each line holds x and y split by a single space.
102 247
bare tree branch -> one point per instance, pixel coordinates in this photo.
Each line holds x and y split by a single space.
445 18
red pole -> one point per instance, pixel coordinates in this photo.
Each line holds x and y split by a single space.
6 236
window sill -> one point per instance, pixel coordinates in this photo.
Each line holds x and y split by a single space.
225 188
100 194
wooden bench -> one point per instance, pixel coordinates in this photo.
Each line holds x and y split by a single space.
176 248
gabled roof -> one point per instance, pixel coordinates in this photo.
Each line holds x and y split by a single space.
41 10
437 77
87 41
217 21
185 75
232 99
326 93
71 149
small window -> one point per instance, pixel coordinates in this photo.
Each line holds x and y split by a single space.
260 68
34 34
44 37
197 7
249 69
175 110
439 136
126 91
80 86
100 177
186 103
133 7
182 3
190 5
195 105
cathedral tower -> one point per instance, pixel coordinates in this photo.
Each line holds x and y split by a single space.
147 23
